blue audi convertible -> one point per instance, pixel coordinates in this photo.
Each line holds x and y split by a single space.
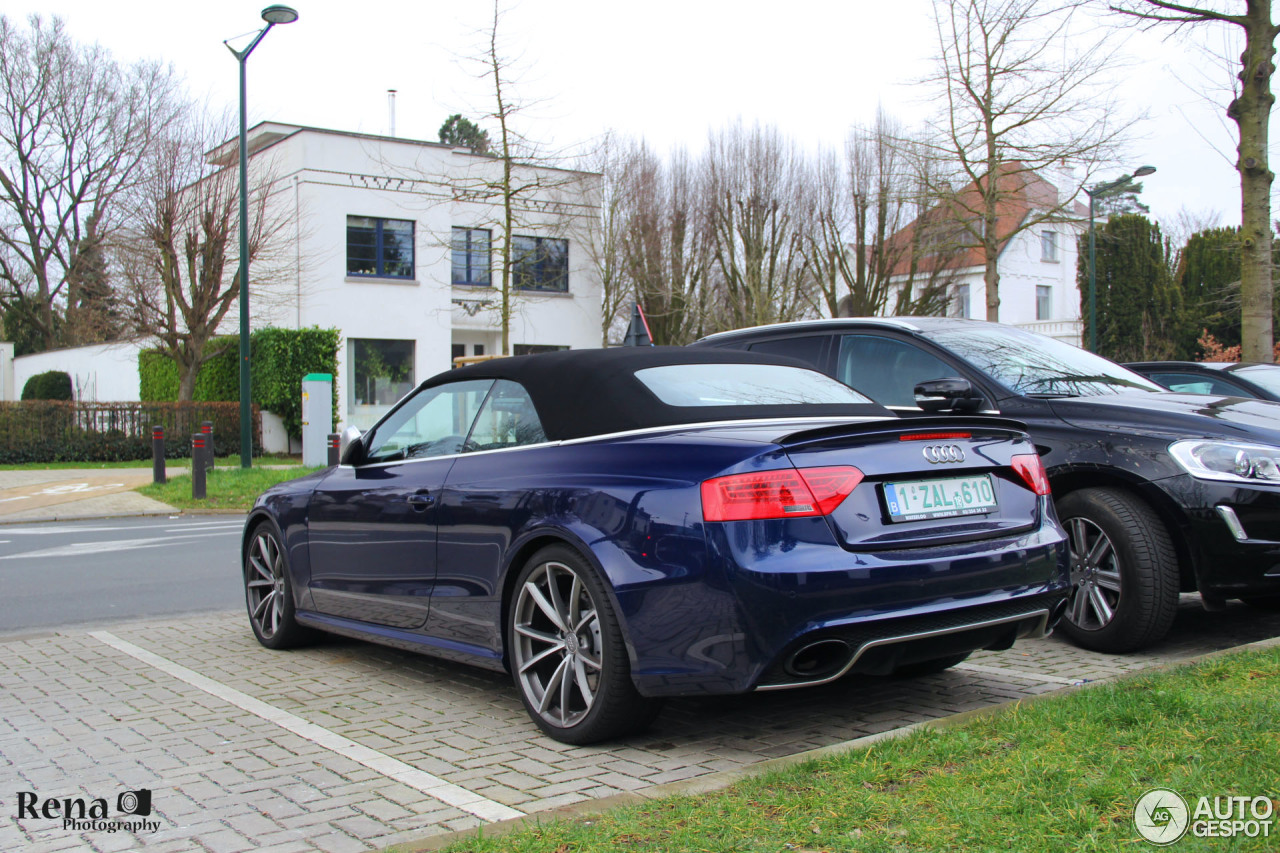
617 526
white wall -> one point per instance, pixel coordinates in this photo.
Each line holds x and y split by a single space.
101 373
7 391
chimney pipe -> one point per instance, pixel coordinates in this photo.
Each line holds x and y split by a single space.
391 111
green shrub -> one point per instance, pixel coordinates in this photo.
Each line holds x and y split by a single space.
218 380
50 385
57 431
279 358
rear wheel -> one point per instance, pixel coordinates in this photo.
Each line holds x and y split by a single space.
269 592
1124 571
567 652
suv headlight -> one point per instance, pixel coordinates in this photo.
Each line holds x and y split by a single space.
1232 461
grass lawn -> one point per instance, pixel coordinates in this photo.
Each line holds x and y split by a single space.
227 486
145 463
1062 773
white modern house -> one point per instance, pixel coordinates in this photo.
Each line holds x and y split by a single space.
394 242
1037 265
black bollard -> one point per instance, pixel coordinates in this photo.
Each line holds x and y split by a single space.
206 427
197 467
335 443
157 455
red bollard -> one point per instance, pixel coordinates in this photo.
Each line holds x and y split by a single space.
335 443
206 427
157 455
197 467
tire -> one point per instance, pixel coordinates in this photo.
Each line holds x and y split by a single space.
1124 571
575 684
930 667
1269 603
268 592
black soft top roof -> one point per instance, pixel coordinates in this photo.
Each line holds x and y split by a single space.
580 393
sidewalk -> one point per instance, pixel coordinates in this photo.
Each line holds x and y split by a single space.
76 493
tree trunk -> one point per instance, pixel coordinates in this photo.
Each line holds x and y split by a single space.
1252 112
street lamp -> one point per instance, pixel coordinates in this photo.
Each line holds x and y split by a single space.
272 15
1094 193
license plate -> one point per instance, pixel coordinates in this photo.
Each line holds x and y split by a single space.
925 499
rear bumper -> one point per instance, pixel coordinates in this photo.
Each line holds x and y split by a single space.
774 587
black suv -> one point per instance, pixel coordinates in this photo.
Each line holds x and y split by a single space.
1160 492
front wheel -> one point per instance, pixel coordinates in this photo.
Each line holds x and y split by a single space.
269 593
1124 571
567 652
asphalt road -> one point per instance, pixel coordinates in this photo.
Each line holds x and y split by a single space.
69 573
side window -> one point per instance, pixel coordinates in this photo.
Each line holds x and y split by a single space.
887 370
434 422
1197 383
808 349
507 419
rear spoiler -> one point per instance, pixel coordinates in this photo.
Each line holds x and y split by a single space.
979 426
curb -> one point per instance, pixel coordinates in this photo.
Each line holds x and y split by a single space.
723 779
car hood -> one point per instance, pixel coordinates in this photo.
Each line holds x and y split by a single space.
1175 415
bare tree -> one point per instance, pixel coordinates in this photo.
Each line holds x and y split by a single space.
1017 99
1250 109
179 254
665 245
754 181
74 129
614 160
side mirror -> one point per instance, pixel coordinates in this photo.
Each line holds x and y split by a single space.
951 394
350 448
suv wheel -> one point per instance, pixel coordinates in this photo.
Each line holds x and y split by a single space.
1124 571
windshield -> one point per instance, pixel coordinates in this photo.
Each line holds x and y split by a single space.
1266 375
1038 366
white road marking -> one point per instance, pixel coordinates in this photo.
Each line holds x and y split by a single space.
420 780
85 549
1017 673
47 531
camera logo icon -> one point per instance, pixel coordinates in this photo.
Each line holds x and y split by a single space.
135 802
1161 816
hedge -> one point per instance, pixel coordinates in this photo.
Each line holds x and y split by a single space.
279 358
218 380
55 431
50 385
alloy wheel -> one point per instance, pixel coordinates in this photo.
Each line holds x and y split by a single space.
1095 575
265 583
558 647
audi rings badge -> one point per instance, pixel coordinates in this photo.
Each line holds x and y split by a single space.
938 454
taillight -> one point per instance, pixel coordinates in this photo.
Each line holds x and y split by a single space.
782 493
1031 470
933 436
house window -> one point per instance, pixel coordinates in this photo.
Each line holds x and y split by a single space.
379 247
1049 246
381 370
962 300
540 263
471 256
1044 299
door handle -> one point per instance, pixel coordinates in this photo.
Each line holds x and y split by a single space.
421 501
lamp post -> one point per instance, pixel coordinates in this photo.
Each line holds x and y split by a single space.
1095 192
272 15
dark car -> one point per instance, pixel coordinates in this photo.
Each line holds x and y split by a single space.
1159 492
617 526
1221 379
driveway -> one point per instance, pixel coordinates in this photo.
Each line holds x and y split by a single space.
347 746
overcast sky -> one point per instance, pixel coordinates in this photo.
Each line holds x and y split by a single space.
667 70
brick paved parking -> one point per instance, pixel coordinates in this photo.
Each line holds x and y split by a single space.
350 746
